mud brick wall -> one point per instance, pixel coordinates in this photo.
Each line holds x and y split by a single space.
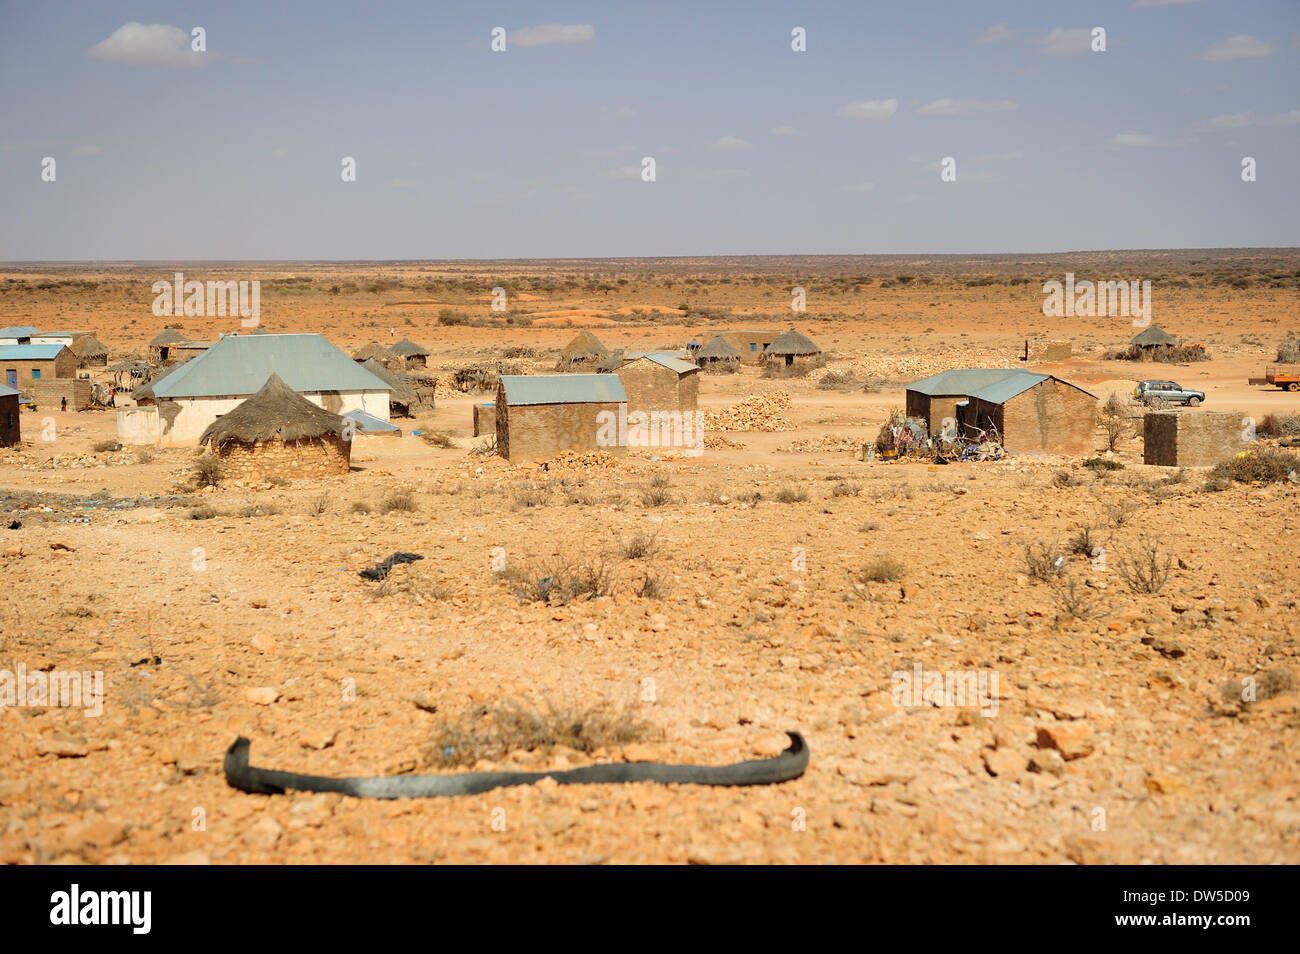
50 392
933 409
485 419
63 365
1191 438
1050 418
1040 349
741 340
319 457
652 387
544 430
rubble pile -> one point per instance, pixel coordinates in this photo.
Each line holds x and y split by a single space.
831 442
893 367
758 412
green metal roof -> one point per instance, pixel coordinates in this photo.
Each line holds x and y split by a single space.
368 422
663 358
30 352
240 364
522 389
988 384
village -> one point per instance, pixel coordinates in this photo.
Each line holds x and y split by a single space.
1000 576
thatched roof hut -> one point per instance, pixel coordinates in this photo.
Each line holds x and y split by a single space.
373 350
793 343
719 351
402 397
276 412
143 393
407 348
168 336
584 352
90 350
1154 337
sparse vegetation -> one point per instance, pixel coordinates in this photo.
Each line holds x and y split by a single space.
399 501
489 733
1143 569
790 494
1262 465
207 472
1043 561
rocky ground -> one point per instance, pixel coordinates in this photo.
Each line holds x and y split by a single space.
786 586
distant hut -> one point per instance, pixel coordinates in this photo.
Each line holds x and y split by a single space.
381 354
90 352
541 415
1150 340
184 351
279 433
718 355
657 382
416 356
162 344
410 396
751 343
793 350
583 353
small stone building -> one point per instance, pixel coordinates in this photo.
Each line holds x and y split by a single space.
751 343
1030 413
183 351
541 415
47 372
279 433
718 355
583 354
1192 438
1041 350
485 419
10 426
793 349
659 382
415 356
161 345
18 334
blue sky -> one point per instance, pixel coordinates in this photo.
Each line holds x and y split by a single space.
463 152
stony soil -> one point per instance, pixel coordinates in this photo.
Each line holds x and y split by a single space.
1114 739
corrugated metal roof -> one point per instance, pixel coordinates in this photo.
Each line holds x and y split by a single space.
988 384
30 352
240 364
368 422
522 389
7 392
19 331
672 362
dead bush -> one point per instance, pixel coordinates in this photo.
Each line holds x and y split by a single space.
656 496
438 438
882 569
1262 465
1074 600
560 580
846 489
789 494
1143 569
640 546
399 501
207 472
1043 561
492 732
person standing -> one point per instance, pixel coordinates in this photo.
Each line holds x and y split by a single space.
65 403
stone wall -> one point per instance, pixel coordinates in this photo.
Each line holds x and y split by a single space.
63 365
1045 349
1192 438
652 387
326 456
485 419
1052 417
50 392
544 430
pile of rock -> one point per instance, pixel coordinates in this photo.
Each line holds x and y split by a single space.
831 442
909 367
758 412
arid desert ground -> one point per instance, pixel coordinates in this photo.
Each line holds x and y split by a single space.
739 598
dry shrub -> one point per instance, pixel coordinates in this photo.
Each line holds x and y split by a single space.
656 496
791 495
1143 569
493 732
1074 600
204 512
105 447
846 489
1113 418
361 506
560 580
1043 561
1278 425
1258 465
640 546
207 472
652 586
399 501
883 569
438 438
1120 511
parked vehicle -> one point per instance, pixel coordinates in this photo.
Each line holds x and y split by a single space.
1284 376
1150 392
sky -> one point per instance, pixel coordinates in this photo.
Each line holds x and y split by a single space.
536 151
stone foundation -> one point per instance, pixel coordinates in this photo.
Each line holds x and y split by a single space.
318 457
1192 438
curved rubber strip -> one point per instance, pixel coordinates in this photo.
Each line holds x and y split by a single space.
239 774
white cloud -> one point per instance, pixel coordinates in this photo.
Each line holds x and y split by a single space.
1230 121
731 143
88 149
967 107
860 187
1242 47
1289 118
148 44
1134 139
995 34
1162 3
280 152
784 131
1063 42
872 109
553 34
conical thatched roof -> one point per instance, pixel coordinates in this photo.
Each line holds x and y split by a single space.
402 393
372 350
584 343
1154 336
792 342
406 348
89 346
274 412
719 347
168 336
610 361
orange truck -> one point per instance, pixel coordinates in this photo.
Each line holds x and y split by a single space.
1284 376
